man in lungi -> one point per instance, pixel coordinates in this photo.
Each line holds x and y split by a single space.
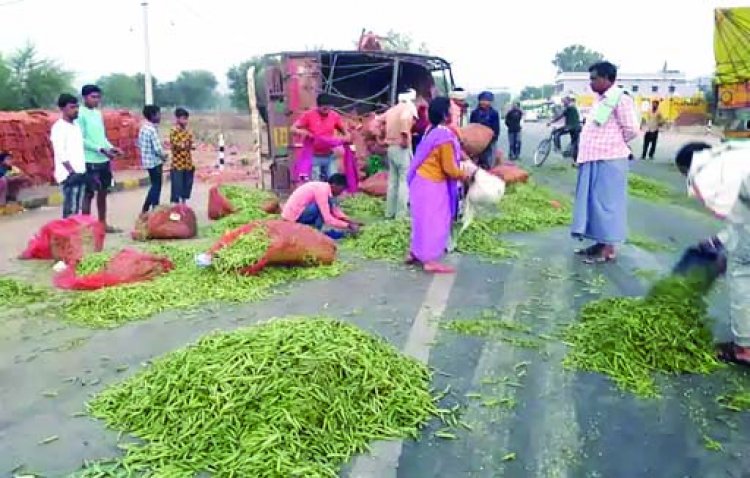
600 212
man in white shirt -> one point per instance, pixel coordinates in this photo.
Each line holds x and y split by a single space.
70 161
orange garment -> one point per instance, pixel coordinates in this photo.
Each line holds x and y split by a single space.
441 165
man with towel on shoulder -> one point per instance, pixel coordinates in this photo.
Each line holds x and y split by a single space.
399 121
600 212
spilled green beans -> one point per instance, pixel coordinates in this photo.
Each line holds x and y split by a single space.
648 244
14 293
290 398
248 203
93 263
649 189
632 339
363 206
243 252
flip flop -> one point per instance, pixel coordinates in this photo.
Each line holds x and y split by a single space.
436 268
727 352
600 259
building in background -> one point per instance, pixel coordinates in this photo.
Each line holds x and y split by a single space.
682 100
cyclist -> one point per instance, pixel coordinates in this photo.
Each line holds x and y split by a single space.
572 127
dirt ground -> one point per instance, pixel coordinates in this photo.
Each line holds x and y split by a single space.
565 424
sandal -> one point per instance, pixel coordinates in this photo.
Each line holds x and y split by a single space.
589 251
727 352
606 254
438 268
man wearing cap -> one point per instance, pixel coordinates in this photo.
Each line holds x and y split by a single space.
458 109
488 116
399 121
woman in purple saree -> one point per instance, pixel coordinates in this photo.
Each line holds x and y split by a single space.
433 179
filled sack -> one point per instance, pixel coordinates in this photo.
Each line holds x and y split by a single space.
166 222
66 240
126 267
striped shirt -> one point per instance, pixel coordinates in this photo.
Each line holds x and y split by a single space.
610 140
152 154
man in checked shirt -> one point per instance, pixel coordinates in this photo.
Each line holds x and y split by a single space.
152 154
600 212
183 170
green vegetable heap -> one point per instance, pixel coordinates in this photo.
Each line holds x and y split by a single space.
15 293
247 202
293 397
184 287
649 189
243 252
363 206
631 339
93 263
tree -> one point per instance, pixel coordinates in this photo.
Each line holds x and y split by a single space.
237 80
8 97
576 58
195 88
403 42
36 82
121 90
537 92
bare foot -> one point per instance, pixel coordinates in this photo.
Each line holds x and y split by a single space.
438 268
410 260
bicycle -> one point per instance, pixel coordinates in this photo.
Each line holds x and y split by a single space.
545 147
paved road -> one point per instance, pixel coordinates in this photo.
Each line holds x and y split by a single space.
564 424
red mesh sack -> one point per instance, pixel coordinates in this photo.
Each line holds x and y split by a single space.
218 205
510 173
291 245
166 222
475 138
127 267
376 185
66 240
271 206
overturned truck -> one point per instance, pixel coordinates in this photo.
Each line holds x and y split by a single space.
360 83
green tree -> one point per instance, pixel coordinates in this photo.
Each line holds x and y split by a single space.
403 42
576 58
8 96
121 90
196 88
237 80
37 82
537 92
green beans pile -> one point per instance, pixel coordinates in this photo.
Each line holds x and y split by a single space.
247 202
363 206
14 293
480 239
245 251
631 339
295 397
649 189
185 287
530 207
387 240
93 263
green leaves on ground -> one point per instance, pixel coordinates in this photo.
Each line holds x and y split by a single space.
631 339
491 324
185 287
387 240
292 397
649 189
14 293
362 206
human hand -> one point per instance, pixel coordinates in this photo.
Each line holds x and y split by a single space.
469 167
116 151
353 228
711 245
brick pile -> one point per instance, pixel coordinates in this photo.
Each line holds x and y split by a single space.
26 135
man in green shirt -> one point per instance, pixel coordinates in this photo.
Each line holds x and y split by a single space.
572 126
98 151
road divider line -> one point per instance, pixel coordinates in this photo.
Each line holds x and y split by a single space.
382 461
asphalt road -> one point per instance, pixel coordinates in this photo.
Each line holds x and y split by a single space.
563 424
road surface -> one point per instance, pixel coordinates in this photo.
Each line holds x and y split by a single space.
564 424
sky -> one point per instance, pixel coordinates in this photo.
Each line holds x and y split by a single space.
506 43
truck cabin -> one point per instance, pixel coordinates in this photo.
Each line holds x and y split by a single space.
359 83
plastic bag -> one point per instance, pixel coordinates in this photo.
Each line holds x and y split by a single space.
485 192
376 185
510 173
218 205
126 267
475 138
166 222
291 244
66 240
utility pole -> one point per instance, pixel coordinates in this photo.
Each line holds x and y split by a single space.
147 54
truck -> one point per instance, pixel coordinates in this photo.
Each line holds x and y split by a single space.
732 76
360 83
